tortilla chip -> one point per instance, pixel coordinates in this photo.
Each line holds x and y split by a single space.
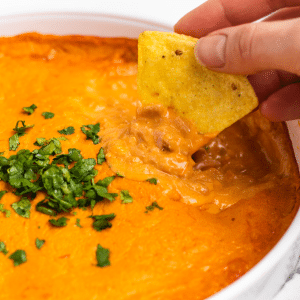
168 73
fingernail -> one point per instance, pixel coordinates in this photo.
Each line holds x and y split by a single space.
210 51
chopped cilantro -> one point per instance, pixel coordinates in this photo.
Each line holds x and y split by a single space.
78 223
100 157
2 193
14 142
60 222
206 148
5 211
39 243
125 197
20 131
102 256
40 142
3 248
67 131
19 257
22 207
91 132
102 221
152 180
153 206
30 109
1 153
48 115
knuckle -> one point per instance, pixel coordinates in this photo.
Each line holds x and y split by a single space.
246 38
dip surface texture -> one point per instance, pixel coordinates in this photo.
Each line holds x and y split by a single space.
225 204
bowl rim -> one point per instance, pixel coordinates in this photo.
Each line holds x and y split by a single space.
275 255
85 14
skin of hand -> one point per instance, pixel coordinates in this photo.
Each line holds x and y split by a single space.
268 51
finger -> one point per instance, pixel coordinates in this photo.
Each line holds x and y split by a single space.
268 82
251 48
216 14
284 14
283 105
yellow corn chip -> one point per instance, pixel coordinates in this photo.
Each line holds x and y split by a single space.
168 73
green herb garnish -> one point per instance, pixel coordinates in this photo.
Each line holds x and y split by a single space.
102 221
67 131
20 131
91 132
48 115
19 257
30 109
100 157
5 211
39 243
152 180
60 222
153 206
102 256
125 197
78 223
3 248
22 207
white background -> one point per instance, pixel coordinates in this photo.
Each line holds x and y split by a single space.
167 12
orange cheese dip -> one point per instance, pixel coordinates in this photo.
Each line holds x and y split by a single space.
225 204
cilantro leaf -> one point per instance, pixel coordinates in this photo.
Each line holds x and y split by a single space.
67 131
152 180
48 115
82 169
102 192
60 222
2 193
102 221
125 197
101 157
44 209
19 257
20 131
67 159
30 109
22 207
3 248
78 223
5 211
14 142
39 243
40 142
52 147
153 206
105 181
91 132
102 256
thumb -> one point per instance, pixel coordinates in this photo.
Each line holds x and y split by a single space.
251 48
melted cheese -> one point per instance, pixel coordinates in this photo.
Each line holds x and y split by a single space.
225 205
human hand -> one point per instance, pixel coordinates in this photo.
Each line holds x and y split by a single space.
269 51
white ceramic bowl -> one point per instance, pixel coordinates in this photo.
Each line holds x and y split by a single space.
264 280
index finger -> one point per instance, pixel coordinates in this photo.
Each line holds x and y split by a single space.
217 14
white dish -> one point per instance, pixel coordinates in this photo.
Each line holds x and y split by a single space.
264 280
